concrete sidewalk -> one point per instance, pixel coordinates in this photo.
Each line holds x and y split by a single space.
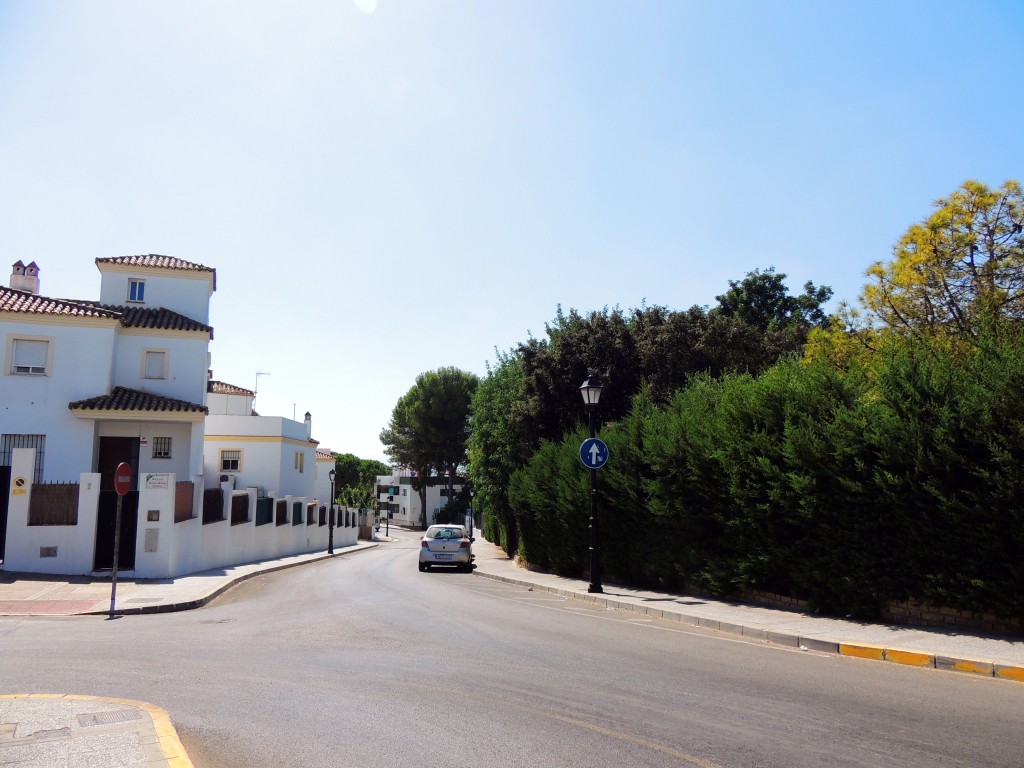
40 595
955 650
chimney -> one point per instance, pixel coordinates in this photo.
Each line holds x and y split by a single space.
25 278
309 426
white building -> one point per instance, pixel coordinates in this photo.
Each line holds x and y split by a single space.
396 496
90 384
87 385
249 450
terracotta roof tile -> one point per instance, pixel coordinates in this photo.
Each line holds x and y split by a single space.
322 455
158 318
221 388
125 399
13 300
164 262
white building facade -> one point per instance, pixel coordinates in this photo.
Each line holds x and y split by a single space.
87 385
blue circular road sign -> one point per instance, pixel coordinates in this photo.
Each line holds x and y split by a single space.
593 453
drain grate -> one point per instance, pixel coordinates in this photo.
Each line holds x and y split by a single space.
108 718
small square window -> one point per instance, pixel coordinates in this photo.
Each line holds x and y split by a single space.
161 447
230 461
155 365
137 290
30 357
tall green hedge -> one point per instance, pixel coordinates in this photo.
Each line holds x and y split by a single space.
898 477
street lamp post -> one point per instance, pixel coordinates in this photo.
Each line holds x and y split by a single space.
330 518
591 392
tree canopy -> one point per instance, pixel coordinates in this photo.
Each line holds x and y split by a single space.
762 300
961 266
532 395
429 425
354 472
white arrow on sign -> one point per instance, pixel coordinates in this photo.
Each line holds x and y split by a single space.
593 453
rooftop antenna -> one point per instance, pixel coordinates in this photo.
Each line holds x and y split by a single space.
258 374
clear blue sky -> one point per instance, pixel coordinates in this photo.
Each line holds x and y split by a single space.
389 187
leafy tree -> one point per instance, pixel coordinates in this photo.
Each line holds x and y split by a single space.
675 346
354 479
346 470
958 267
497 446
429 426
532 396
762 300
405 443
361 497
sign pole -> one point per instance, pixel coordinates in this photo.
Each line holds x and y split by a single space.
122 484
117 546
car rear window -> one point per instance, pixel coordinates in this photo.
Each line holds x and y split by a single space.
445 533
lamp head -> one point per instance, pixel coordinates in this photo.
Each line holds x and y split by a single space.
590 390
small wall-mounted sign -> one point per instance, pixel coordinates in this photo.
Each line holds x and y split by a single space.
47 551
156 481
18 486
153 516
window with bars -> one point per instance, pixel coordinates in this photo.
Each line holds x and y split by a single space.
230 460
9 442
161 447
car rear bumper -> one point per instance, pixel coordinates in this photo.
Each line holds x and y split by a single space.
461 557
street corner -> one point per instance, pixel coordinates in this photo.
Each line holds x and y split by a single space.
43 729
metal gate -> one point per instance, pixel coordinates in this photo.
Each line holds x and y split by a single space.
105 518
5 491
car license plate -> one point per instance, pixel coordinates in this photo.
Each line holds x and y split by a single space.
442 557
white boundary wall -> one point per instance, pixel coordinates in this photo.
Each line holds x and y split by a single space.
163 548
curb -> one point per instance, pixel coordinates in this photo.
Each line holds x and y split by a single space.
188 605
167 736
856 650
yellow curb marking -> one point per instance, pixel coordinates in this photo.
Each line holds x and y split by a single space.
910 658
874 652
1011 673
170 745
974 668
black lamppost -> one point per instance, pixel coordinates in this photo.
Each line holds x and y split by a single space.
330 518
591 392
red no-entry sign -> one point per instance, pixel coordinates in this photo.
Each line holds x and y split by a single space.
122 478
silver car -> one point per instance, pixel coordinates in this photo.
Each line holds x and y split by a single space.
446 545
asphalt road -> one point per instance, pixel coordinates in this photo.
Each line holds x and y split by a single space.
364 661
